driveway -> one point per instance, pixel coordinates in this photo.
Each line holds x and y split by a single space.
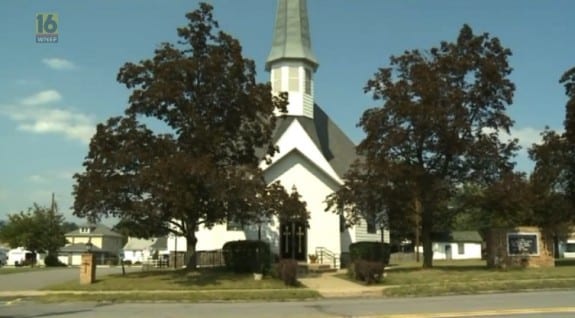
33 280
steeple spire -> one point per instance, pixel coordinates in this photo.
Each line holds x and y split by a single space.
292 39
291 62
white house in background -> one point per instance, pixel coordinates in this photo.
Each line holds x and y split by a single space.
314 155
98 238
457 245
567 246
141 250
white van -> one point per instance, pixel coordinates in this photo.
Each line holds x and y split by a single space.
20 256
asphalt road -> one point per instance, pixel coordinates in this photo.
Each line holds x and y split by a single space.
534 304
33 280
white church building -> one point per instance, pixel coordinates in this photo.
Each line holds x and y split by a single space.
314 154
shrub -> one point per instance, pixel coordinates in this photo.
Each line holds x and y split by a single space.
275 270
247 256
53 261
370 251
287 271
368 271
127 262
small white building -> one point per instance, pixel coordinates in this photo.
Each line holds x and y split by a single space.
314 155
457 245
141 250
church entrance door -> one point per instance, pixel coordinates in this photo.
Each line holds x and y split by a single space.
293 240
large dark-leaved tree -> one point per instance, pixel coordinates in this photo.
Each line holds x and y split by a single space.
440 122
552 207
186 153
568 80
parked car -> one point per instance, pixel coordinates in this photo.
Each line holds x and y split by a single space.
3 258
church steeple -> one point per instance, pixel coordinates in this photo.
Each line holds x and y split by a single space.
291 34
291 60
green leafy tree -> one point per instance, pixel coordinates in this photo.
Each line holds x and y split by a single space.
186 153
553 209
440 121
274 202
39 229
69 227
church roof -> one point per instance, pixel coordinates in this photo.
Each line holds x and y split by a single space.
333 143
291 38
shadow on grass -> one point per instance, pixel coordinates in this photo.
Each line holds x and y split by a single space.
446 268
201 277
565 262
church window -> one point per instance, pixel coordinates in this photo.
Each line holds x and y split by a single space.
308 81
371 229
277 80
293 79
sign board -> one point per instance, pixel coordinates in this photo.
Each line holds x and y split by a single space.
525 244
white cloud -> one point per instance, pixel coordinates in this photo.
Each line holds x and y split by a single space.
51 176
37 178
43 97
59 64
527 136
26 82
32 116
73 125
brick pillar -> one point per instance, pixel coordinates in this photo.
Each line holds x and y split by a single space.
87 269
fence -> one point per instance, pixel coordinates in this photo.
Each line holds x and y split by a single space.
210 258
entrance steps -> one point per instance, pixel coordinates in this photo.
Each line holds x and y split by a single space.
309 269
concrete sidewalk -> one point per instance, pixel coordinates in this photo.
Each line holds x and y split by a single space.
330 286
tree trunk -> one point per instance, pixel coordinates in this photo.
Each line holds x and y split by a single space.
426 228
417 204
191 261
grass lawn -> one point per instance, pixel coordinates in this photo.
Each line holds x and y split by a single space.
470 277
205 279
170 285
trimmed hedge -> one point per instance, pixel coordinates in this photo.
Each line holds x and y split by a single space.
52 261
247 256
370 251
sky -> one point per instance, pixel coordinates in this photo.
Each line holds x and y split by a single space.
52 95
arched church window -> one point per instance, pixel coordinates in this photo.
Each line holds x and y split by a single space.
293 79
277 80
